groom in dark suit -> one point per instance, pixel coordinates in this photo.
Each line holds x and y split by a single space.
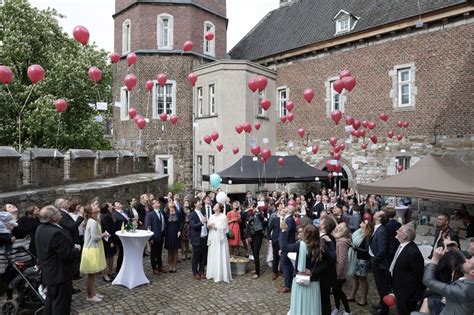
198 231
156 222
57 255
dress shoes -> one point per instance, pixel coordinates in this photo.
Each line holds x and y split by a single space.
284 290
197 277
161 270
203 276
274 276
156 272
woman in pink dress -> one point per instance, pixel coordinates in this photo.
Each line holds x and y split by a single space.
233 217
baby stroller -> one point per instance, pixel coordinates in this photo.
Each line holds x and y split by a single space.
25 278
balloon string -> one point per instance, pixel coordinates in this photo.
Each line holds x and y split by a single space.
278 174
11 96
26 101
57 134
148 104
265 173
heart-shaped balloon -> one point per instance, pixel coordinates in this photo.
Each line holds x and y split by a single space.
162 78
235 150
349 120
207 139
355 133
281 161
390 134
61 105
400 137
333 141
290 117
95 74
261 82
283 118
253 84
265 103
337 149
192 78
342 146
301 132
115 58
174 119
336 115
130 81
338 86
344 73
361 133
188 45
308 95
383 116
255 150
365 123
266 153
314 149
373 138
163 117
149 85
247 127
364 145
399 168
371 125
131 59
400 123
405 124
214 135
219 147
257 125
141 122
239 128
289 106
349 83
209 36
132 112
356 124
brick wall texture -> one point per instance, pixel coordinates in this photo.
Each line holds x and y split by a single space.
46 172
10 170
106 168
81 169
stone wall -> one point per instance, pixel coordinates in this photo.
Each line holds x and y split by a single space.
45 167
106 164
79 165
9 168
125 162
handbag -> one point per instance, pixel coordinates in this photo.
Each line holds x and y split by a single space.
230 234
304 280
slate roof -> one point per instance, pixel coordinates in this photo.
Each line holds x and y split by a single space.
306 22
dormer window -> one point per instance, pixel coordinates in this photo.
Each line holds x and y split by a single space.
345 22
342 25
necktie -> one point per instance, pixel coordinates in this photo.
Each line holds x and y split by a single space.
162 221
208 212
394 261
124 215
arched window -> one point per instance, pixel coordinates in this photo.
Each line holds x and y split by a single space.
165 31
126 35
209 45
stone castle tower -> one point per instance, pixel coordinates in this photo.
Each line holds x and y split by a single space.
155 30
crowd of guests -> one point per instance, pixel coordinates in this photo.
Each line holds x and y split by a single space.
336 238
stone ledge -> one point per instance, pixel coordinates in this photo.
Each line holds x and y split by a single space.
101 155
9 152
39 153
81 154
125 153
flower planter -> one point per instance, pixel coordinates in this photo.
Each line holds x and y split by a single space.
238 265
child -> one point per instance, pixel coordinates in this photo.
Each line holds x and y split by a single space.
6 225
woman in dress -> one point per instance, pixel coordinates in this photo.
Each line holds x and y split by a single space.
93 257
173 234
107 223
343 243
233 217
186 232
218 264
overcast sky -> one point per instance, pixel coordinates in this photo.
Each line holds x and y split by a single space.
96 15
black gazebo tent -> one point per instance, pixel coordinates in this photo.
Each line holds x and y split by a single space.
250 171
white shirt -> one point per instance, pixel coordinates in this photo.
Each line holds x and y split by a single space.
123 214
203 227
397 253
375 230
208 210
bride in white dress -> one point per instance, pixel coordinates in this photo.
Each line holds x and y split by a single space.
218 264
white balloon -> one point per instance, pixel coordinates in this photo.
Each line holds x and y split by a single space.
221 197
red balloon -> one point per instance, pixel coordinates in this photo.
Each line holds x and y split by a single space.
289 106
141 122
349 120
81 34
35 73
265 103
162 78
400 137
214 135
131 59
333 141
174 119
188 45
253 84
400 168
290 117
163 117
355 133
336 115
328 165
301 132
149 85
349 83
247 127
115 58
283 118
400 123
219 147
364 145
209 36
365 123
257 125
192 78
367 217
336 156
130 81
255 150
361 133
373 138
344 73
132 112
261 82
266 153
95 74
338 86
314 149
6 75
405 124
235 150
356 124
390 300
137 117
281 161
207 139
292 203
342 146
390 134
371 125
337 148
61 105
308 95
383 116
239 128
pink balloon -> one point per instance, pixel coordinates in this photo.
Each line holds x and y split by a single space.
391 134
261 82
349 83
367 217
374 139
337 149
214 135
61 105
289 106
290 117
115 58
390 300
192 78
209 36
265 103
292 203
355 133
336 116
371 125
131 59
266 153
255 150
247 127
35 73
257 125
163 117
281 161
130 81
400 168
174 119
333 141
314 149
400 137
149 85
356 124
162 78
383 116
400 123
207 139
239 128
362 133
137 117
188 45
283 118
81 34
349 120
253 84
338 86
308 95
235 150
344 73
141 122
6 75
219 147
342 146
132 112
301 132
95 74
365 123
405 124
364 145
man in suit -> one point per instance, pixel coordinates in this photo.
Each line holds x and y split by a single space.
198 235
378 247
285 262
321 206
273 235
354 219
156 222
121 218
56 255
392 241
249 200
406 271
207 207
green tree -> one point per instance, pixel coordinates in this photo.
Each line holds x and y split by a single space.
30 36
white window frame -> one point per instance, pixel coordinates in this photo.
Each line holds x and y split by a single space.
199 170
124 103
156 87
212 166
200 101
212 99
126 36
282 111
401 84
160 31
260 110
395 92
333 96
339 23
404 161
160 168
329 100
209 46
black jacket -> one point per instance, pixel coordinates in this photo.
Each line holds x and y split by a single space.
379 247
70 226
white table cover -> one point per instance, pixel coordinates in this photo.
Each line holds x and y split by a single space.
131 273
